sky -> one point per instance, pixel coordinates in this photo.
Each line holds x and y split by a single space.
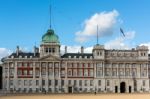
23 22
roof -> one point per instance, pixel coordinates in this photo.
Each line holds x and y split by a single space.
23 55
77 55
50 37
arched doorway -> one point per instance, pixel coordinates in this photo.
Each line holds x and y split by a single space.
116 89
122 87
130 89
69 89
0 77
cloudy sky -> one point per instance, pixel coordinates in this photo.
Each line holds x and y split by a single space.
23 22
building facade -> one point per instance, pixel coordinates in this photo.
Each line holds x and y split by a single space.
102 71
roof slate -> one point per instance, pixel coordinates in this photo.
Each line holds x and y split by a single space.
24 55
72 55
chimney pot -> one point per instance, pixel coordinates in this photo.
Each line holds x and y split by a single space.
36 50
17 50
65 49
82 49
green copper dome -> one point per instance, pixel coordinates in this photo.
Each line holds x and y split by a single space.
50 37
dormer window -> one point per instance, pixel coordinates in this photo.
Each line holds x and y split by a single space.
80 56
69 57
12 56
90 57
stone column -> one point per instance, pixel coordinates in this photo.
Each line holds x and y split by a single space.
15 76
147 69
66 86
103 69
124 71
40 80
8 77
112 85
59 78
46 77
117 71
53 79
118 76
104 79
34 79
95 71
3 77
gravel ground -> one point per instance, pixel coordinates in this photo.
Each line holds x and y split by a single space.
78 96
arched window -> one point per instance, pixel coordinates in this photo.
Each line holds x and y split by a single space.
97 53
100 53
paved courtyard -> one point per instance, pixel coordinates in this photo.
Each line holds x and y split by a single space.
80 96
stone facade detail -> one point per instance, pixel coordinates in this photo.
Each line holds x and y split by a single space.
102 71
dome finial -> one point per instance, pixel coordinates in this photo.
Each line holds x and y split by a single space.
97 35
50 16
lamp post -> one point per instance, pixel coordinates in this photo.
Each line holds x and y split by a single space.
14 90
95 90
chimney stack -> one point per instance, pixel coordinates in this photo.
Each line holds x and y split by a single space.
17 50
65 49
36 50
82 49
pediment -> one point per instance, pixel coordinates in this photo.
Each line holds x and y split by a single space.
50 58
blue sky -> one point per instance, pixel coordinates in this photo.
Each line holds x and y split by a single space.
23 22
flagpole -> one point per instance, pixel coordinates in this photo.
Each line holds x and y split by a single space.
121 31
97 34
50 13
120 40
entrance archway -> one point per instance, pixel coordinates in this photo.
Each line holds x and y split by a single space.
122 87
69 89
0 77
116 89
130 89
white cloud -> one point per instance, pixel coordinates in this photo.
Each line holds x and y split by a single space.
146 44
4 52
129 34
121 42
88 49
25 49
118 43
75 49
105 21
